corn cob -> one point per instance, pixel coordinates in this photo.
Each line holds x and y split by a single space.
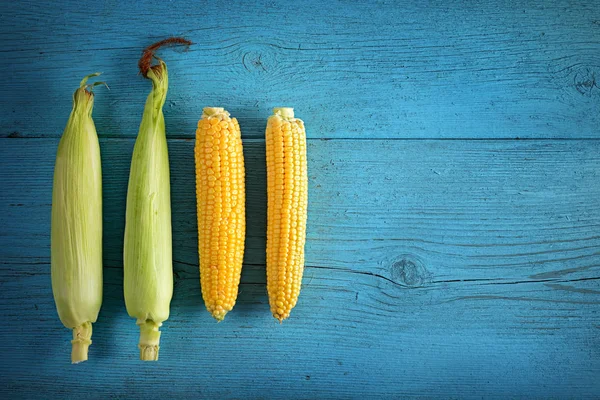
287 198
76 238
147 253
220 193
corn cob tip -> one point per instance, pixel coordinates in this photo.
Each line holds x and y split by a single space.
82 336
219 316
218 312
213 111
284 112
149 340
280 317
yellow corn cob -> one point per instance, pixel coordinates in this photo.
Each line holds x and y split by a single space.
287 194
221 196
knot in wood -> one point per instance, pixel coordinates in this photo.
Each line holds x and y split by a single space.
585 82
256 61
410 271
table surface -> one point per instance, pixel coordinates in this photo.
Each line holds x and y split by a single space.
453 246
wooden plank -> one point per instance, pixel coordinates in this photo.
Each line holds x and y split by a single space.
434 268
351 69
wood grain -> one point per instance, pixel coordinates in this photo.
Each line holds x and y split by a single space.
382 70
444 258
435 268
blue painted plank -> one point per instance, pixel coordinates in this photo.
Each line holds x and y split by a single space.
373 69
436 268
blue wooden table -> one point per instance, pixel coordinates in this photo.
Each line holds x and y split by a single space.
453 245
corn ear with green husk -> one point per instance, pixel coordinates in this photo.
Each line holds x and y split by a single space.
147 255
76 226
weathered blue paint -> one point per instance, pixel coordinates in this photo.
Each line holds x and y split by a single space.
371 69
435 268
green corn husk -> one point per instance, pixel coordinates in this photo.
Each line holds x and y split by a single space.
76 233
148 267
